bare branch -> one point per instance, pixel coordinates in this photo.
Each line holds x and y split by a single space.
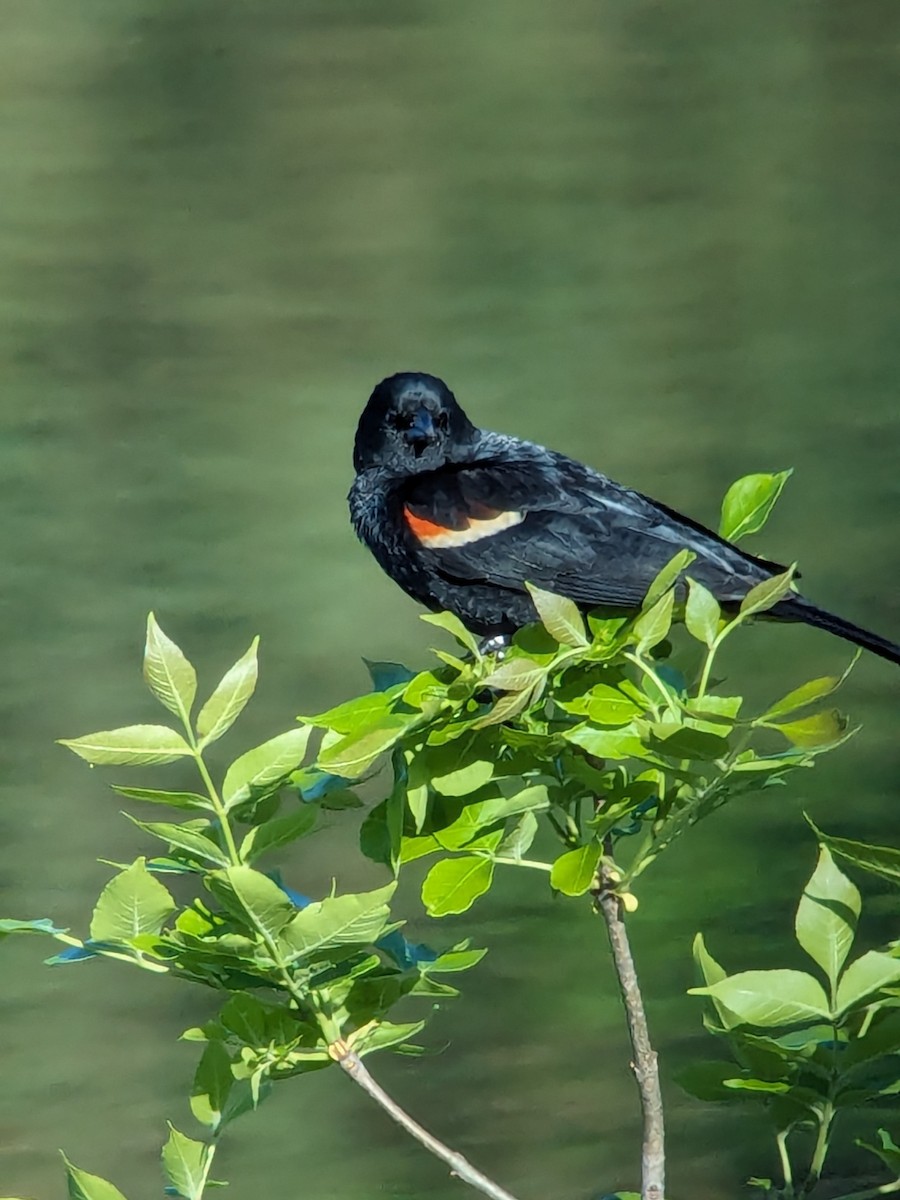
644 1063
459 1166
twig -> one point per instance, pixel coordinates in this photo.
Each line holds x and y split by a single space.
358 1072
644 1064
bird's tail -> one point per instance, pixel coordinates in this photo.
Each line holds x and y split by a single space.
802 610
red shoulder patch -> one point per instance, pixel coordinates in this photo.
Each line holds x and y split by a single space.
441 537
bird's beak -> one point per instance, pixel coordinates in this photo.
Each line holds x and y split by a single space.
422 433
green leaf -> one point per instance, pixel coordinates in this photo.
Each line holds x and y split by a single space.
816 731
355 716
573 872
464 779
667 578
169 675
263 901
770 998
339 921
385 675
560 616
888 1151
227 702
508 706
748 503
883 861
280 831
385 1034
702 613
184 1164
808 693
265 766
652 626
516 675
132 903
417 803
352 755
614 744
711 972
454 884
130 746
517 842
454 626
83 1186
40 925
184 800
459 958
213 1082
768 593
193 841
867 974
606 705
827 915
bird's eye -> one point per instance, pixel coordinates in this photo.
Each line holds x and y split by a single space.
442 422
402 420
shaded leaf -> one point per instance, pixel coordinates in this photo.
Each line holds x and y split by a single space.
748 503
887 1150
280 831
265 765
212 1085
454 884
130 746
815 731
168 674
385 675
132 903
883 861
826 916
808 693
228 700
560 616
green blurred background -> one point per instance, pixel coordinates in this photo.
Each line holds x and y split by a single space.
663 237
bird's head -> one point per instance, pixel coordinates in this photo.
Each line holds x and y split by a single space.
412 424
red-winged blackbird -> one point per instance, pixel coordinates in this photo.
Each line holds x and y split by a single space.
461 518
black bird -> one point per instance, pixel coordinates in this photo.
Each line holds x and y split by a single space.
461 518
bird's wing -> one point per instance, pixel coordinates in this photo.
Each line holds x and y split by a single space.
559 525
